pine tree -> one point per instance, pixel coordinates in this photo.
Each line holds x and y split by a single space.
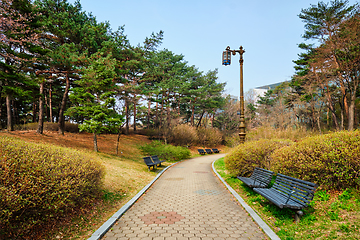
93 98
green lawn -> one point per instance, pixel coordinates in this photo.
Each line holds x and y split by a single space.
334 215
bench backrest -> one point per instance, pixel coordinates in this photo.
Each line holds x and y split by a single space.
208 150
262 175
298 190
148 161
201 150
155 159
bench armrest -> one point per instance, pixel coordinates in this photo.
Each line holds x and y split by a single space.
292 192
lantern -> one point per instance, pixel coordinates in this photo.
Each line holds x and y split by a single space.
226 59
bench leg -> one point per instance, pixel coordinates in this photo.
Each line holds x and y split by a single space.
298 214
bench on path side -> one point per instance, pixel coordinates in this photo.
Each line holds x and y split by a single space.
208 151
215 150
289 192
260 178
156 160
149 162
201 151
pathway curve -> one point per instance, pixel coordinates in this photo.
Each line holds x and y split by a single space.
187 202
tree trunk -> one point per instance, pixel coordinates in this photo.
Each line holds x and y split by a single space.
95 143
342 119
351 113
199 123
318 122
148 113
213 118
8 112
50 104
192 119
157 114
41 110
126 116
63 106
134 102
34 118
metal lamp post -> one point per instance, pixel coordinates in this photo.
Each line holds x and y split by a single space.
227 61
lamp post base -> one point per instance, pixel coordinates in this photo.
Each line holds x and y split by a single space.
242 137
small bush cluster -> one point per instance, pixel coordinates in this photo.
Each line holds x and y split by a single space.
165 151
330 160
209 137
48 126
245 157
183 135
43 182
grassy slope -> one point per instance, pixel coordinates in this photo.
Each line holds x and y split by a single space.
126 174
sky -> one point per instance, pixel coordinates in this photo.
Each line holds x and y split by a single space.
268 30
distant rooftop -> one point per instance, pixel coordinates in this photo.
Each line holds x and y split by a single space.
271 86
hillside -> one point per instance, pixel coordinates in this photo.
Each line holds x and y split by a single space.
126 174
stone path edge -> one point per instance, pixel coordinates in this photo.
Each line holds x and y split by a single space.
98 234
268 231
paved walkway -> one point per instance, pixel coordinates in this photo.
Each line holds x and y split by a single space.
187 202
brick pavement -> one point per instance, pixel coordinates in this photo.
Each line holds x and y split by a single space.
186 202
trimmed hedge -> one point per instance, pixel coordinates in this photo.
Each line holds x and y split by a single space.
43 182
165 151
330 160
245 157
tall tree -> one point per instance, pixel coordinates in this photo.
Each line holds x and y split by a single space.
323 23
72 35
93 98
18 37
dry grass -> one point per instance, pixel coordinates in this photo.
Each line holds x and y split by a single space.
126 174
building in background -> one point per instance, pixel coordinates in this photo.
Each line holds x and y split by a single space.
260 91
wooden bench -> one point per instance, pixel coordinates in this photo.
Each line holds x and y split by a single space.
149 162
201 151
289 192
215 150
260 178
208 151
156 160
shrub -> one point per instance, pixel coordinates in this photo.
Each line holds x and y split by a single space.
183 135
232 140
48 126
245 157
165 152
209 137
42 182
268 132
330 160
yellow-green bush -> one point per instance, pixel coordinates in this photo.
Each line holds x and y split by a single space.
331 160
245 157
183 135
42 182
